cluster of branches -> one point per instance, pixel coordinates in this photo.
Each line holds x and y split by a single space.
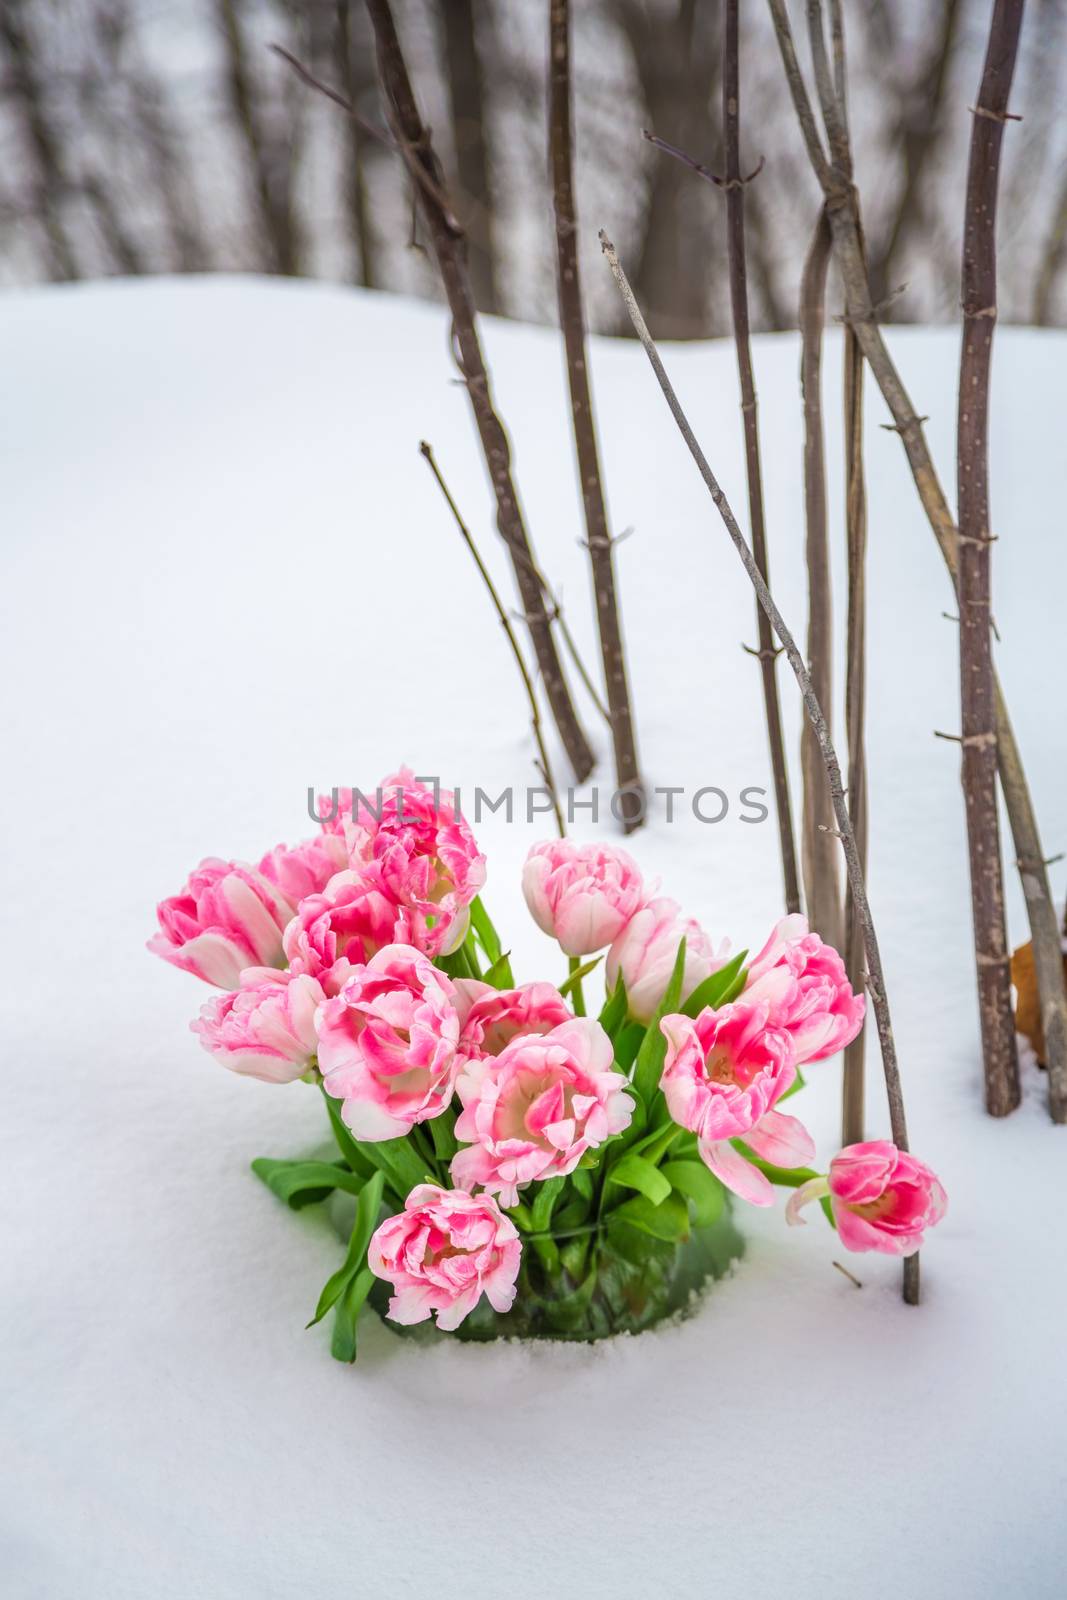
453 214
142 139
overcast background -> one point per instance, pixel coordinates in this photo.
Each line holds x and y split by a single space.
162 136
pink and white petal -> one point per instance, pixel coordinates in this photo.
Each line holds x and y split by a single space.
781 1140
739 1175
371 1122
450 1317
858 1235
814 1189
409 1305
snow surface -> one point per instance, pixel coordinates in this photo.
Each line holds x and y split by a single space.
228 576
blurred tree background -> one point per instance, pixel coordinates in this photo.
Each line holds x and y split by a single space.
163 136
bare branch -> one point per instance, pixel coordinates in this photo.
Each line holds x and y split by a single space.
572 323
876 980
447 241
977 698
822 889
842 208
735 246
543 763
853 1089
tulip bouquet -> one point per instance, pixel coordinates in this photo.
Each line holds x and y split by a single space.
506 1162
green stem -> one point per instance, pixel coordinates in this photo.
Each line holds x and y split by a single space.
785 1177
421 1141
574 963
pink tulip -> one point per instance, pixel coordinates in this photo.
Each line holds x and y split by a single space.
493 1017
804 982
228 917
341 928
443 1252
303 869
724 1073
387 1043
535 1109
645 952
882 1198
266 1029
423 854
583 895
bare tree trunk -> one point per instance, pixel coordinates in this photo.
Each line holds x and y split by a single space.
916 135
350 56
676 66
270 180
875 977
977 698
1053 257
822 888
448 245
466 87
189 249
50 180
572 322
843 211
735 237
777 317
124 253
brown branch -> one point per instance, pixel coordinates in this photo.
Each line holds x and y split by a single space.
351 58
462 24
426 451
822 890
720 181
342 101
977 698
572 322
834 98
843 211
447 242
852 1097
875 978
833 115
735 246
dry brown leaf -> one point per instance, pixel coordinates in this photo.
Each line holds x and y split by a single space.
1027 1004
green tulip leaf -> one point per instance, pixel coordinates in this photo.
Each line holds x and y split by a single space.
648 1068
367 1208
304 1183
701 1187
634 1172
718 990
346 1316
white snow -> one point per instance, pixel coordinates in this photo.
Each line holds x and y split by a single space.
228 575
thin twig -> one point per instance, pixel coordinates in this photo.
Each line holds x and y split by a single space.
977 699
822 889
379 135
426 451
572 323
726 181
876 980
844 220
735 246
447 240
853 1088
